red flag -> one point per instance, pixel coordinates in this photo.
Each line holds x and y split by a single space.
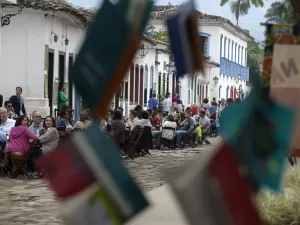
235 190
66 170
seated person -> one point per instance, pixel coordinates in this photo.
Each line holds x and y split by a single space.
3 149
19 139
188 126
144 121
83 121
63 121
37 124
204 121
132 120
6 123
167 134
118 125
10 110
50 138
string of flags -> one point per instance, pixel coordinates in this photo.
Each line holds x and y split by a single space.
90 178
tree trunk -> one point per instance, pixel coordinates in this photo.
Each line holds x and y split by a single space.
296 10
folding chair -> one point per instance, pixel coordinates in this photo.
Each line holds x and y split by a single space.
19 163
123 133
205 135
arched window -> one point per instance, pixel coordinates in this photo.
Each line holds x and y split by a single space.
225 40
242 56
228 48
146 86
136 84
131 83
151 81
159 83
234 94
235 53
206 91
227 90
245 57
220 87
221 45
239 55
231 92
232 46
141 86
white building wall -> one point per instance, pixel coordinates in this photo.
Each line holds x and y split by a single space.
23 52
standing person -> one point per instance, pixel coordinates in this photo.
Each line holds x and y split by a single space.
205 105
179 104
62 98
153 102
167 104
18 102
174 98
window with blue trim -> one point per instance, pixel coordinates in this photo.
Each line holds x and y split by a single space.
221 45
225 40
205 41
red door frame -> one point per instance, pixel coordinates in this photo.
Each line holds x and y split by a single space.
231 92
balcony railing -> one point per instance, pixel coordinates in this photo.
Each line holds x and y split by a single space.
233 69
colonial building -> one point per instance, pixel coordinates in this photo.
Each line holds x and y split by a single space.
225 44
39 41
38 46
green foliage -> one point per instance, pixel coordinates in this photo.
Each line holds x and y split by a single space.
160 35
255 53
280 12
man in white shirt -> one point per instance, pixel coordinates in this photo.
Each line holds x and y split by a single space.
204 121
167 104
6 123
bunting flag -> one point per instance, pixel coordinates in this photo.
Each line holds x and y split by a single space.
212 190
84 161
259 136
108 51
184 40
281 69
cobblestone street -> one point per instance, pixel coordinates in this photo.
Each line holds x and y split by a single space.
31 202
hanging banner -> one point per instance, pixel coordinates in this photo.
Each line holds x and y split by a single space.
184 39
282 69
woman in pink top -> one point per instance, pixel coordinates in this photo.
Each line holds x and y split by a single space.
19 138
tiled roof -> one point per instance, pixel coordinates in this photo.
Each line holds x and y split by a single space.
161 12
55 5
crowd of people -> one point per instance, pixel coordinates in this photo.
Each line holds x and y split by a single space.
192 122
18 131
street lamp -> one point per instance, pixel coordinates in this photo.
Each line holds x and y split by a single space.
142 51
216 80
169 68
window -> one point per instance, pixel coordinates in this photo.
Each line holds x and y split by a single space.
220 87
235 53
225 40
228 49
232 46
205 42
221 45
239 55
242 56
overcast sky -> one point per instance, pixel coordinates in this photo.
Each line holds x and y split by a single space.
250 22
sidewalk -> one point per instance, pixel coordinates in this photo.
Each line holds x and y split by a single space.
164 209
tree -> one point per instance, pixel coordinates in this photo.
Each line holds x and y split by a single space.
280 12
255 3
239 8
260 3
161 35
255 53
